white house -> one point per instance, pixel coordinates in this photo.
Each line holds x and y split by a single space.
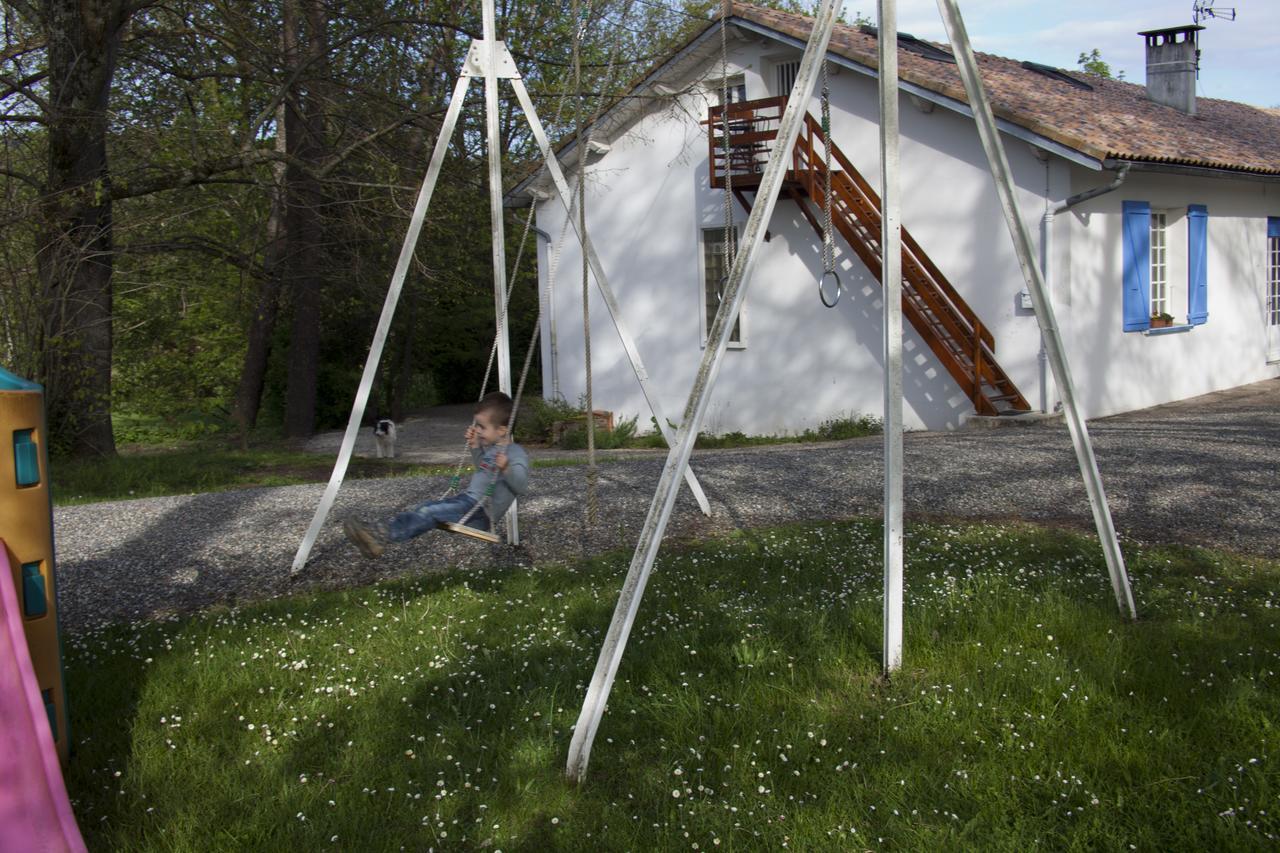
1147 201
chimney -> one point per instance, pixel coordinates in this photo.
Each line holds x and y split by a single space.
1173 60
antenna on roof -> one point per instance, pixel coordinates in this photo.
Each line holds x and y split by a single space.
1203 9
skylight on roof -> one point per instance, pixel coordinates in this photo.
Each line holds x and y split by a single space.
910 43
1055 74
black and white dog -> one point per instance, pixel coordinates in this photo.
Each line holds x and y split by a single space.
384 437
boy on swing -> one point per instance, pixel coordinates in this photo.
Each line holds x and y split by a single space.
500 465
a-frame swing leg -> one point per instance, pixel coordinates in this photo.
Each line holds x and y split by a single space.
384 324
496 63
602 283
1000 172
664 497
891 282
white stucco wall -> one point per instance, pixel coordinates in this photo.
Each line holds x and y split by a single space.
648 198
1117 371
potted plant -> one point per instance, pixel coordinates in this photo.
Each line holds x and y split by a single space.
1161 320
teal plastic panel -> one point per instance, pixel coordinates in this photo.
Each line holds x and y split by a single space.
35 599
52 710
26 458
10 382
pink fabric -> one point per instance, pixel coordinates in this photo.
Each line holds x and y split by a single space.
35 814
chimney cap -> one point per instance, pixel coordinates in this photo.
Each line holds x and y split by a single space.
1185 28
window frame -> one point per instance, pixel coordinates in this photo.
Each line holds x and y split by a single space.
1164 266
707 245
1271 297
737 89
786 69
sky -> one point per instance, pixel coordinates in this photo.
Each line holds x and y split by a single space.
1237 58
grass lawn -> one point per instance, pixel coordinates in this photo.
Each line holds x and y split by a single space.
749 713
212 469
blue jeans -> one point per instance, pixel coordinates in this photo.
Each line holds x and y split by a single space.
430 515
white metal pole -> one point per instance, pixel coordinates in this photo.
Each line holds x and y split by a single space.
991 144
602 282
495 221
699 397
384 324
891 280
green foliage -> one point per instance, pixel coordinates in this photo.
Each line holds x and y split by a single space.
1093 63
837 429
622 435
834 429
204 468
749 709
538 417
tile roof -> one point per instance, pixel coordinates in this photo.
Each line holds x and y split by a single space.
1113 120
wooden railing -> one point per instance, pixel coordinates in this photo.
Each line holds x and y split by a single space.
954 333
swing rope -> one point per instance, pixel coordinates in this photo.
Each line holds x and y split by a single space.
828 243
581 15
730 243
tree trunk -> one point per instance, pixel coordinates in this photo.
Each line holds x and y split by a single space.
253 373
75 243
304 122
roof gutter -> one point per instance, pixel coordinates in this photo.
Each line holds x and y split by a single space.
1046 255
1192 171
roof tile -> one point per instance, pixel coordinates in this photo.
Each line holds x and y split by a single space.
1114 120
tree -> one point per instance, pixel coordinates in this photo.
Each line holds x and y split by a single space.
74 248
1093 63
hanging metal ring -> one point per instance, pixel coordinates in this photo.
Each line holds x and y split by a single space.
724 280
822 288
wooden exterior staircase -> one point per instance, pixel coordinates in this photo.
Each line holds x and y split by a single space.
929 302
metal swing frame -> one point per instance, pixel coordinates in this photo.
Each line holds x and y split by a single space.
489 60
650 539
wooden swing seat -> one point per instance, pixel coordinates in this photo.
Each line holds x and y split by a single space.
473 532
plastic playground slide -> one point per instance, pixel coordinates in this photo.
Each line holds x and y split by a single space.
35 814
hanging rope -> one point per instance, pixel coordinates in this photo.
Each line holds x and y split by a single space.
581 15
829 273
730 244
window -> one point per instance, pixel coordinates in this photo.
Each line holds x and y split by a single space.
1165 264
786 75
715 275
1273 272
737 89
1159 265
1271 305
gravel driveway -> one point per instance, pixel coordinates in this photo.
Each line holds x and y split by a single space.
1203 471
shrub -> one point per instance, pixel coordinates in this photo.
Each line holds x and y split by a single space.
622 435
836 429
537 416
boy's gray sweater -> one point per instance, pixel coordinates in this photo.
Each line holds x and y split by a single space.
511 483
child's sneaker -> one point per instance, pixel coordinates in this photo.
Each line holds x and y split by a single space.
369 539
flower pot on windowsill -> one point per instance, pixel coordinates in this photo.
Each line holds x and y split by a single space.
1161 321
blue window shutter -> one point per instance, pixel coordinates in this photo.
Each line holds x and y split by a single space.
1273 226
1197 264
1137 265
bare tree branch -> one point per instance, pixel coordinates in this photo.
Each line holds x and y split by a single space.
21 176
22 48
23 87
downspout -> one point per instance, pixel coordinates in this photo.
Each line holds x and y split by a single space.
548 312
1046 254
